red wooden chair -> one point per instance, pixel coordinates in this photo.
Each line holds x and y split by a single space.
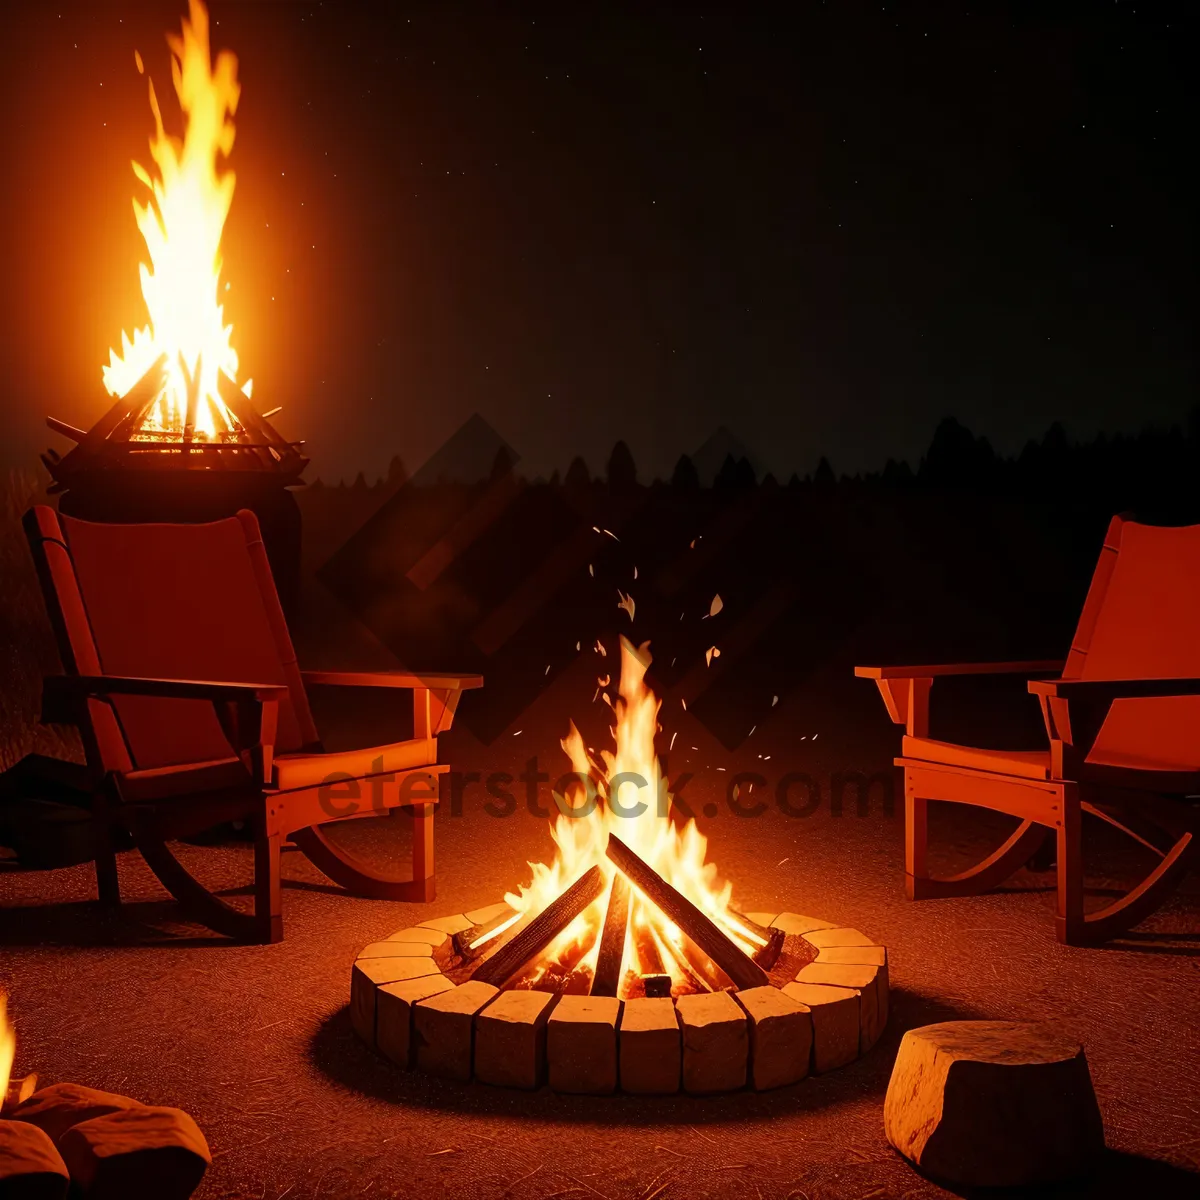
182 680
1123 725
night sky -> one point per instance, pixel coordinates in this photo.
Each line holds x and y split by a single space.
824 230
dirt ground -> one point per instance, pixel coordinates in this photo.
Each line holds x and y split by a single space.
256 1042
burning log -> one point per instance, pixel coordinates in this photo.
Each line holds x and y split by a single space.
543 929
649 957
17 1092
759 931
612 941
479 940
767 956
697 969
727 955
657 986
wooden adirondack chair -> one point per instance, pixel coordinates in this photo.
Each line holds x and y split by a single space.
1123 724
182 680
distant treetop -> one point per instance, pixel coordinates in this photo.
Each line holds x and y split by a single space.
621 472
578 474
685 475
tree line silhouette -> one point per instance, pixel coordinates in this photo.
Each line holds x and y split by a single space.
1155 468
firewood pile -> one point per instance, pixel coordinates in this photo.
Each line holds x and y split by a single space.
96 1145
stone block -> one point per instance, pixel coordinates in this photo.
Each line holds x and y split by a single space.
581 1044
651 1047
716 1042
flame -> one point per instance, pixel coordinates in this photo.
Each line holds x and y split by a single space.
181 223
8 1047
625 793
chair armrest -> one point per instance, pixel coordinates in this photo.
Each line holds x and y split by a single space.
434 680
1036 666
1101 690
172 689
1075 709
248 712
905 690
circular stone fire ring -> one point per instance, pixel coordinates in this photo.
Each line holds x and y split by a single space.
412 999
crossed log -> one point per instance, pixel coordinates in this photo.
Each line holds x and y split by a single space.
535 936
707 935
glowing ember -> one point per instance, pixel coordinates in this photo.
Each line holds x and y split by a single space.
8 1046
181 224
624 793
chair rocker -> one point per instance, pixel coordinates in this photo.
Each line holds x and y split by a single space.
1122 721
181 678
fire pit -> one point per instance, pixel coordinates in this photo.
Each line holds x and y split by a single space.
623 963
184 442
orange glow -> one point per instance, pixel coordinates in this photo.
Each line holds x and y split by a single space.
8 1046
677 855
181 223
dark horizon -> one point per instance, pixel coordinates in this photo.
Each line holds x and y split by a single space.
825 234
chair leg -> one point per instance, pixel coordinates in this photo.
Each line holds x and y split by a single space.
1069 920
916 842
268 904
196 900
422 851
362 878
108 882
986 874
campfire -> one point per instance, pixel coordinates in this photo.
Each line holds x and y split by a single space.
183 440
12 1091
624 957
629 906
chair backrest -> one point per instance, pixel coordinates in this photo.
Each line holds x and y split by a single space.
168 602
1141 620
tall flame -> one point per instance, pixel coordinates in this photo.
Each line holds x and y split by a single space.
181 223
626 794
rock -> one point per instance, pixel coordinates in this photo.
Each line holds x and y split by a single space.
452 925
443 1028
368 975
716 1042
510 1039
437 941
793 923
835 1022
762 918
141 1151
864 956
484 916
869 981
837 937
581 1044
394 1004
854 956
651 1050
56 1108
396 950
30 1167
781 1034
993 1104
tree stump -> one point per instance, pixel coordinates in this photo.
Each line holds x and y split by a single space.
993 1104
30 1167
140 1151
